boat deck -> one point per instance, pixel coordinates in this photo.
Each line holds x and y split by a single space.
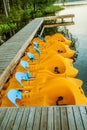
44 118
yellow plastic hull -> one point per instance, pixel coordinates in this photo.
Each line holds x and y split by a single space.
49 87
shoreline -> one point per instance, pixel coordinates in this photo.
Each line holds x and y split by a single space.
71 3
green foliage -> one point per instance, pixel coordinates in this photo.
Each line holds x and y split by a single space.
22 11
15 14
13 26
39 13
52 9
26 15
4 28
3 18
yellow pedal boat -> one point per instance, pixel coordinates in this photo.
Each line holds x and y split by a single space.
57 91
52 71
48 64
60 37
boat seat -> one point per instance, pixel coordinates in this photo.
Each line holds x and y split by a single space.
42 38
36 44
14 94
31 56
22 76
24 64
37 50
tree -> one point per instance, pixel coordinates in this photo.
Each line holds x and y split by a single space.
6 7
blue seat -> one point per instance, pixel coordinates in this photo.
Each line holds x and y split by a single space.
22 76
36 44
14 94
24 64
42 38
37 50
31 56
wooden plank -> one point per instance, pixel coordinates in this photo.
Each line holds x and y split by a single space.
64 122
5 60
57 120
29 125
2 114
24 119
6 53
37 118
78 121
59 24
18 119
11 120
6 119
50 119
5 57
71 121
9 53
59 17
43 124
44 118
83 116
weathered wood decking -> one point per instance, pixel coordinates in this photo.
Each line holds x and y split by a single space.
62 17
44 118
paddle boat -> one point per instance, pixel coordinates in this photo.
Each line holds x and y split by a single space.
54 44
60 37
48 65
57 91
45 76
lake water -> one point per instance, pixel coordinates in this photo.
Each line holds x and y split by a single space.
79 30
71 0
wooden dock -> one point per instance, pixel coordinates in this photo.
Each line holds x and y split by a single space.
44 118
61 17
59 21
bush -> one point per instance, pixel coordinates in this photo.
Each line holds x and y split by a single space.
39 13
15 14
52 9
26 16
6 31
4 28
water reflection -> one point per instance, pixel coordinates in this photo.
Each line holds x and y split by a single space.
79 30
73 0
59 1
